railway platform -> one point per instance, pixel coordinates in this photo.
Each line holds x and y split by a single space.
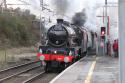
91 69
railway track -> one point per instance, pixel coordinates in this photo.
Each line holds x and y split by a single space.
35 77
42 78
11 72
31 72
24 76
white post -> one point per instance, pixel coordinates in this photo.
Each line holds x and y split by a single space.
106 35
122 40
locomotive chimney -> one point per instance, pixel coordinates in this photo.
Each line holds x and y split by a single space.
59 20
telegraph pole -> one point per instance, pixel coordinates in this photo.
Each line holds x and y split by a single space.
5 4
41 5
121 14
43 22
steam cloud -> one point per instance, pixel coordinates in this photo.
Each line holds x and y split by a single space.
60 6
79 18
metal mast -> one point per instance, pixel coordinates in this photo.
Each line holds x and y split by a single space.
42 22
5 4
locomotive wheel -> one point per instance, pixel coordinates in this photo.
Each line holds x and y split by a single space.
46 67
80 53
85 53
66 65
73 61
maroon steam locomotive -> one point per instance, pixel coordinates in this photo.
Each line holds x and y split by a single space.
65 44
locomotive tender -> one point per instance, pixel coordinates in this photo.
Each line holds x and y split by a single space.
65 44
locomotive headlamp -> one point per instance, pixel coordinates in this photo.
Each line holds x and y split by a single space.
41 51
42 57
70 53
66 59
55 52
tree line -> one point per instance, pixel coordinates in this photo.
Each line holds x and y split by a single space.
17 28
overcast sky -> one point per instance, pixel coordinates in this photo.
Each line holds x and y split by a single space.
75 5
93 8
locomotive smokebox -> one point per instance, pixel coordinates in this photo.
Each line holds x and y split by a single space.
60 21
57 34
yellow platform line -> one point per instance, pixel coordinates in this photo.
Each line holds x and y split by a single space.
89 76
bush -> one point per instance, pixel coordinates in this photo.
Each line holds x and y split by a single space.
17 29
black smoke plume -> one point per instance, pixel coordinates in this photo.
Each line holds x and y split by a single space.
79 18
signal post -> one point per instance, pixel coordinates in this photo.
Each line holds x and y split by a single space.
102 41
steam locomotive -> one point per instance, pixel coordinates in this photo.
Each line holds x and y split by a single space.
65 44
